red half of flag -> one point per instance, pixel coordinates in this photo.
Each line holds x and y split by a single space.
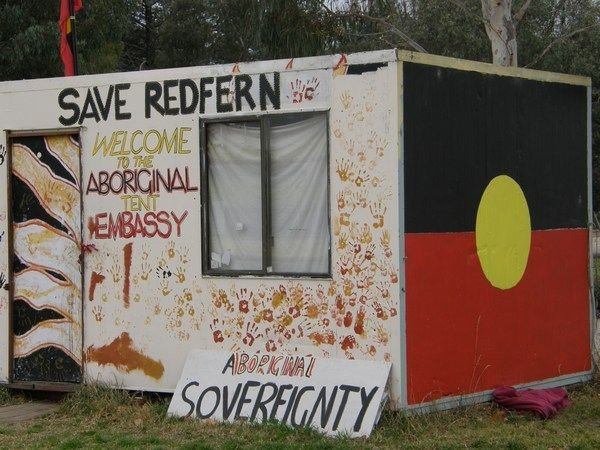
64 22
465 336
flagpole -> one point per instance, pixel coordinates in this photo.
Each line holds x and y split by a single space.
73 37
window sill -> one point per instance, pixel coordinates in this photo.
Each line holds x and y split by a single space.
302 277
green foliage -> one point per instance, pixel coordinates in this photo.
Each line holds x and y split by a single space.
218 31
185 34
568 37
443 28
27 30
30 38
141 35
134 34
294 29
101 26
556 35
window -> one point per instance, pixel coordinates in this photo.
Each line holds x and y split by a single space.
265 196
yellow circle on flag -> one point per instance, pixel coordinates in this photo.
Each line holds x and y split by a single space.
503 232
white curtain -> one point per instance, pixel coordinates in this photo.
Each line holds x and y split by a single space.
299 209
234 189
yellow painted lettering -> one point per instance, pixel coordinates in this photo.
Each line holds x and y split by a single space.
183 140
138 150
172 144
157 144
100 145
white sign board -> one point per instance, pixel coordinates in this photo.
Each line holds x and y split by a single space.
331 395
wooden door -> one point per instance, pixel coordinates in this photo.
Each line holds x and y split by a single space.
47 300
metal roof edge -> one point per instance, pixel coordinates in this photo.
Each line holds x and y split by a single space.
492 69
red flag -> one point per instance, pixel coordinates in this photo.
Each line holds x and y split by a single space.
66 35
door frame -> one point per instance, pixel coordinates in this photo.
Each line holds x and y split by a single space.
10 135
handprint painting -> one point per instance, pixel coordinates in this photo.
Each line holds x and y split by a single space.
356 207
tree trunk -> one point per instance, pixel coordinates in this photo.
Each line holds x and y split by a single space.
149 38
501 30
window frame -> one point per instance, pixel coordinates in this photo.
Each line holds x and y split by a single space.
266 206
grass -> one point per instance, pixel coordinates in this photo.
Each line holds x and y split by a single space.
11 397
5 396
97 417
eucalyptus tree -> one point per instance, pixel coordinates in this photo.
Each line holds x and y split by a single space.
142 26
30 38
216 31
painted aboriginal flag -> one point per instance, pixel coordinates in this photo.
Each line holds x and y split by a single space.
496 198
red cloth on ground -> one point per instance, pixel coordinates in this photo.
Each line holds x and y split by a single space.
544 403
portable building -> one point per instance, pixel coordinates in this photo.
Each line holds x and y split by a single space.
421 210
